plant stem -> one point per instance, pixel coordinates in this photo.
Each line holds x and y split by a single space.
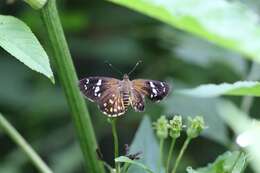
109 168
20 141
184 147
160 163
247 101
125 167
68 78
114 131
236 161
170 155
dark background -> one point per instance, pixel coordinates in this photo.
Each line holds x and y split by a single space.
96 32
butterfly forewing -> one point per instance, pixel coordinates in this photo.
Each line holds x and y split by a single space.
95 87
154 90
106 92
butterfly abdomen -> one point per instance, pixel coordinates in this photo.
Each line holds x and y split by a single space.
126 99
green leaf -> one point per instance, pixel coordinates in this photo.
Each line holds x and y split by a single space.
207 107
240 88
212 21
145 142
247 131
224 164
17 39
189 50
127 160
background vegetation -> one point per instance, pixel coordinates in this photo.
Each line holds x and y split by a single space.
204 42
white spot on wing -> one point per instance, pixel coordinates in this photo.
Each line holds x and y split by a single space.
87 81
162 84
151 84
154 91
97 89
99 82
99 94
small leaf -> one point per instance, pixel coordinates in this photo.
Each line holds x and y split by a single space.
145 142
17 39
247 131
224 164
240 88
127 160
212 21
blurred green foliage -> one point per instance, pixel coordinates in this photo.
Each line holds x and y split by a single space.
98 31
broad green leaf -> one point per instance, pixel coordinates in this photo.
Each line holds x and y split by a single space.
240 88
246 129
133 162
212 21
145 142
206 107
189 49
17 39
224 164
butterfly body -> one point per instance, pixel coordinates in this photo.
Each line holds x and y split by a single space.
114 96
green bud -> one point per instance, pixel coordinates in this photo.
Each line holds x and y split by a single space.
175 127
161 127
36 4
195 126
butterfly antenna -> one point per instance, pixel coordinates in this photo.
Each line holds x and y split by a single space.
114 68
136 65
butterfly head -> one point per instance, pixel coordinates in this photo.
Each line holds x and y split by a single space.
125 77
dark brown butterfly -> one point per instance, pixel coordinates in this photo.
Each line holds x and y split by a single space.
113 96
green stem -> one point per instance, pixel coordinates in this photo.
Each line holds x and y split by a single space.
20 141
109 168
160 163
68 78
247 101
125 167
236 161
184 147
170 155
115 136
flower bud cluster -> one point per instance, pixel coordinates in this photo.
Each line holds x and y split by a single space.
173 127
195 126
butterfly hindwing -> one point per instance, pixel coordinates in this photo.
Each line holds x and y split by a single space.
111 103
137 100
154 90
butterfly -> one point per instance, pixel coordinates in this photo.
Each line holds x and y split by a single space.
114 96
